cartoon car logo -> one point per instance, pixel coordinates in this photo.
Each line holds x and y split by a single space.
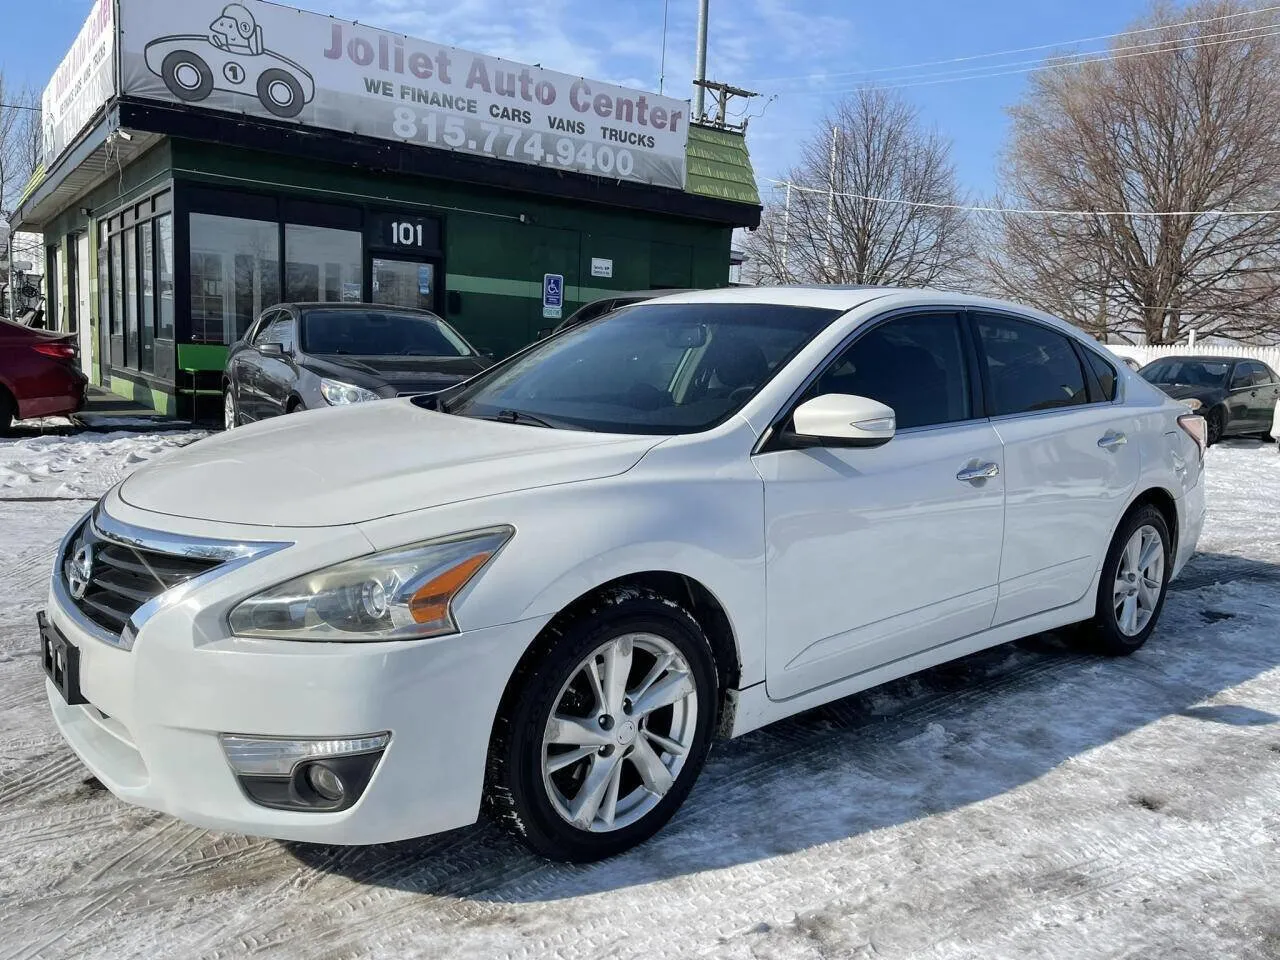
230 58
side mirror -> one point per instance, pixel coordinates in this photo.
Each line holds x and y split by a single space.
271 349
841 420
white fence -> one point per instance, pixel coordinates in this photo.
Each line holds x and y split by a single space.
1145 354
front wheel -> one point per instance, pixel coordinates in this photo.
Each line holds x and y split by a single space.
1135 576
607 730
230 415
1217 423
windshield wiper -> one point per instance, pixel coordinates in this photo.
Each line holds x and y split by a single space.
519 416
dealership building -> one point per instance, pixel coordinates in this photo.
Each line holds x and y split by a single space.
204 160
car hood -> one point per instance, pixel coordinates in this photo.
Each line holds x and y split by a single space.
348 465
374 372
1181 391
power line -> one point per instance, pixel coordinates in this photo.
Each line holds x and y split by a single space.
1024 211
1073 63
18 106
1069 59
1042 46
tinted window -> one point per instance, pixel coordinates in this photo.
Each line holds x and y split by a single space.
1190 373
914 364
1029 367
1105 373
380 334
651 368
1240 377
258 331
281 332
1264 374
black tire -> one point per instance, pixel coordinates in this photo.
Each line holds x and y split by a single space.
1217 424
8 410
515 794
296 100
169 74
1106 636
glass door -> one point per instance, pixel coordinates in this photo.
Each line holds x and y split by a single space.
406 283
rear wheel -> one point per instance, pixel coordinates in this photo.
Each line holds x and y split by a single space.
1217 421
608 729
1134 579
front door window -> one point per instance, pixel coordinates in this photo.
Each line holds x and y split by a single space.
404 283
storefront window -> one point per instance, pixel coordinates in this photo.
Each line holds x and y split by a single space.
146 261
235 273
322 265
117 288
130 299
164 276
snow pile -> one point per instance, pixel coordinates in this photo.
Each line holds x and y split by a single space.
1029 801
81 466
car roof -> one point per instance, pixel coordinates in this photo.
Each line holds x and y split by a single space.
347 305
845 298
1204 358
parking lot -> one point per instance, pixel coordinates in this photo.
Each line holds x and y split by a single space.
1030 801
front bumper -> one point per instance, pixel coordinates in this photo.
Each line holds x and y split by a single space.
149 730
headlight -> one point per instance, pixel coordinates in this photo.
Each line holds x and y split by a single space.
402 594
336 393
1193 403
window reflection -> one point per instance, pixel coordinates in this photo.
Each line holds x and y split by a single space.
235 273
322 265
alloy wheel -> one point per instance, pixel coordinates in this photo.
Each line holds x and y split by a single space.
228 411
619 732
1139 580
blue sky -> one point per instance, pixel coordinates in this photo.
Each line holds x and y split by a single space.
805 51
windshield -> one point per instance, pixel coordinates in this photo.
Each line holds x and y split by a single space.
649 368
378 333
1188 373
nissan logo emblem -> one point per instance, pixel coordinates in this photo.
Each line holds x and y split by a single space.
80 571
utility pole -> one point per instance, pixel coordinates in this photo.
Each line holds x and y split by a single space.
662 60
700 64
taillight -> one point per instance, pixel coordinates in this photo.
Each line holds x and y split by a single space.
1197 429
58 349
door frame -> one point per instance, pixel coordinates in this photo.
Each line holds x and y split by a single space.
436 261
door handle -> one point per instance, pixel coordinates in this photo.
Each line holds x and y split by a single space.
983 471
1112 438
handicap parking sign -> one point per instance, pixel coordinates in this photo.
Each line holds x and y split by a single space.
552 296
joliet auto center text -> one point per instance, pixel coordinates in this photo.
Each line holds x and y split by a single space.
205 160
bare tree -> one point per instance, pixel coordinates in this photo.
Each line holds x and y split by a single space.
20 142
873 145
1179 130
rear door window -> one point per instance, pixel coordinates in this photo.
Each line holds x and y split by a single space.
1030 368
1105 374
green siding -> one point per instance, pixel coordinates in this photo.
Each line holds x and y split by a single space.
719 166
201 356
494 262
148 396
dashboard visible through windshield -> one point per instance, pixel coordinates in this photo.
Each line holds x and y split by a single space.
649 368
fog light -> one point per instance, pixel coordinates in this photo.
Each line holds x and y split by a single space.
272 757
325 782
323 776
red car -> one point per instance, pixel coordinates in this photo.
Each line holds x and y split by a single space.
38 374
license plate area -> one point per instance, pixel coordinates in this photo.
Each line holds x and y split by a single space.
61 659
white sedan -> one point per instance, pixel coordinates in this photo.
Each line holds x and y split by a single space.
544 591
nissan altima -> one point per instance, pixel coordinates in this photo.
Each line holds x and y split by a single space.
543 592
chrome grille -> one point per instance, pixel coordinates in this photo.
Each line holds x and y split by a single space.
123 577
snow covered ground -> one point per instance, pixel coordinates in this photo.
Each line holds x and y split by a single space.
1031 801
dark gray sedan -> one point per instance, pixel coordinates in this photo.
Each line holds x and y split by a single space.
303 356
